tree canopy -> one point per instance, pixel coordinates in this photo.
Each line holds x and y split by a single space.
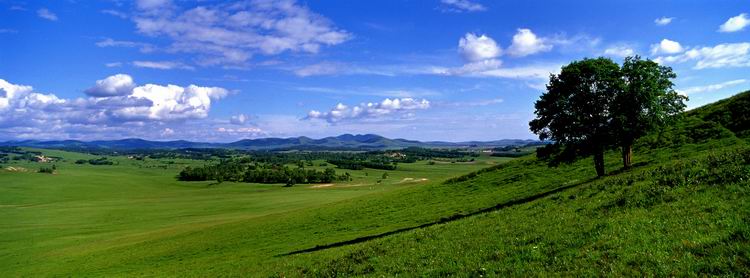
594 104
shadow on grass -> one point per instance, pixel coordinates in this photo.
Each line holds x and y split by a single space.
441 221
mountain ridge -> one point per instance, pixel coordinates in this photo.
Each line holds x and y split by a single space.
340 142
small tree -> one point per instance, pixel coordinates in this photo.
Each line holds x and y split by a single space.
575 112
646 102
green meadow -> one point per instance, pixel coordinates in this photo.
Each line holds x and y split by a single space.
682 210
83 211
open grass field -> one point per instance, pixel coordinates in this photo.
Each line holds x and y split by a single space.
51 221
143 222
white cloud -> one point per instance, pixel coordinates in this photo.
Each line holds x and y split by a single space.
21 97
152 4
172 102
619 51
115 13
143 47
539 72
162 65
324 68
115 85
46 14
526 43
725 55
469 68
370 110
484 102
476 48
666 47
28 114
113 64
712 87
462 6
252 131
663 20
230 33
239 119
734 24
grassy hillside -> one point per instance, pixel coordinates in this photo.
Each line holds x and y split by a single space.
732 113
690 215
682 210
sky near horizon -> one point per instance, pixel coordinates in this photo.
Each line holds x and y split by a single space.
451 70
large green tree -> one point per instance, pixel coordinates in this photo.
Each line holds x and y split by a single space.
575 112
646 102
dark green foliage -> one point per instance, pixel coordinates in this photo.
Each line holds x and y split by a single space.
646 102
46 170
576 109
359 164
242 171
95 161
594 105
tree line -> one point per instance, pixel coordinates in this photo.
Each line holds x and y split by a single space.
594 105
239 171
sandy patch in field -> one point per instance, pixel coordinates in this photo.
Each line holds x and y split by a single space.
322 185
16 169
413 180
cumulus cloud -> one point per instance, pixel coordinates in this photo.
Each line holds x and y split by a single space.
46 14
726 55
666 47
172 102
230 33
370 110
476 48
526 43
663 20
734 24
712 87
462 6
116 104
619 51
115 85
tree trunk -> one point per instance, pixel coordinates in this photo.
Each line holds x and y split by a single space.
599 162
627 155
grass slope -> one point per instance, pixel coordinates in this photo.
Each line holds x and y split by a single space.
687 216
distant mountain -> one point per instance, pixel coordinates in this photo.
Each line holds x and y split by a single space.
341 142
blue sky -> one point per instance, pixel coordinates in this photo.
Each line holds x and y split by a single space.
450 70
